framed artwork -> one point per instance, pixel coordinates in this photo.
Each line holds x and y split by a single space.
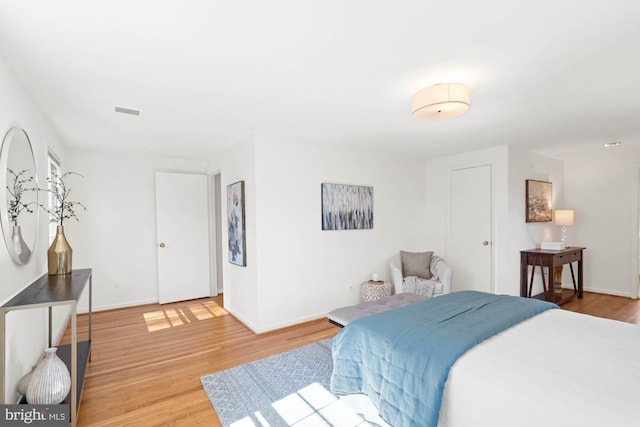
235 218
539 194
346 207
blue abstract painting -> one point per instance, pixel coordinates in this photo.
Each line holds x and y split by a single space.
236 229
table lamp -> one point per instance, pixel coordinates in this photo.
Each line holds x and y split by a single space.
564 218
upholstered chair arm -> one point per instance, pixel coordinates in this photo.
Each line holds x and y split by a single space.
396 273
443 271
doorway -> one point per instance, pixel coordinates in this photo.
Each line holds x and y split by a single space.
635 230
217 283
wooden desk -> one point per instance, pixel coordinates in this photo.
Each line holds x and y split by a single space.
550 259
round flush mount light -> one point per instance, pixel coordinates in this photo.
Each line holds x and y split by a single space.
612 144
441 101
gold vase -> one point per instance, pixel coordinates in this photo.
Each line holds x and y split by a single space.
557 279
59 254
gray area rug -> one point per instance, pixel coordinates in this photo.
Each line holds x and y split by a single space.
288 389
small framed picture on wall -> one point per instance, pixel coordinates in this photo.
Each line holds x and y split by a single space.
539 200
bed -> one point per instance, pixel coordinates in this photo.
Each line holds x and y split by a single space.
553 368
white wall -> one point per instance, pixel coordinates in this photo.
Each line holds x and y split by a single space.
511 166
26 330
601 187
299 271
240 283
116 236
521 235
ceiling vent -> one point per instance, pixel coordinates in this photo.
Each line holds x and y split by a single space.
127 111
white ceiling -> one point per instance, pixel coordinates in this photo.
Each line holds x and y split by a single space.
549 75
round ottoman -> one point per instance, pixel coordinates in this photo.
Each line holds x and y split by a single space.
371 291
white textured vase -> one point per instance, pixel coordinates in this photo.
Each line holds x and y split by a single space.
50 382
24 381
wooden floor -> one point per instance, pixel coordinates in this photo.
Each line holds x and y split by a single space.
610 307
147 361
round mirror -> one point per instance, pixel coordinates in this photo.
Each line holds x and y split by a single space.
18 195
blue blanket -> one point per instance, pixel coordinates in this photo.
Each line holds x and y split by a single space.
401 358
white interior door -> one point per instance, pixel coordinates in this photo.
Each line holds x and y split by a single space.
470 248
183 236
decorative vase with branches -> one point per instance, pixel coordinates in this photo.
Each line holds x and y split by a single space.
62 208
59 255
16 206
15 192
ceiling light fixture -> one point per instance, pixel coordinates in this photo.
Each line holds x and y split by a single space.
441 101
127 111
612 144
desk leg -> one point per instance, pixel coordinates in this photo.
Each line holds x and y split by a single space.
573 278
580 278
549 292
545 288
3 349
74 364
50 326
533 272
90 313
523 276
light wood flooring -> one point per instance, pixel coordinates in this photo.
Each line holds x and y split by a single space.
147 360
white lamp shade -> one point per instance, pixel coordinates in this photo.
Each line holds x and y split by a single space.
564 217
440 101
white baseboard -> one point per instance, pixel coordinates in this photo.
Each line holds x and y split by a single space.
122 305
274 326
292 322
242 320
608 292
600 291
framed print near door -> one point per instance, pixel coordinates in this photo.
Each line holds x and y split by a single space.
539 196
235 218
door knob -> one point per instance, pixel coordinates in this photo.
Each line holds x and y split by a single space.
162 245
485 243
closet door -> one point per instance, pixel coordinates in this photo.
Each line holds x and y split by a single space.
182 220
470 248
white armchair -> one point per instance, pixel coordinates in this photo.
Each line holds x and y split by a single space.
440 281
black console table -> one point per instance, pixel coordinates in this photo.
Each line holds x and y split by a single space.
50 291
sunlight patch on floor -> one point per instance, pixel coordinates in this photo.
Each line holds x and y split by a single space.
172 317
207 310
310 406
162 319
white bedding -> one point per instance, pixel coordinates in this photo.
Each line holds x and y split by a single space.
558 368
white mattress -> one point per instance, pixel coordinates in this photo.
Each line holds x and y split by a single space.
558 368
